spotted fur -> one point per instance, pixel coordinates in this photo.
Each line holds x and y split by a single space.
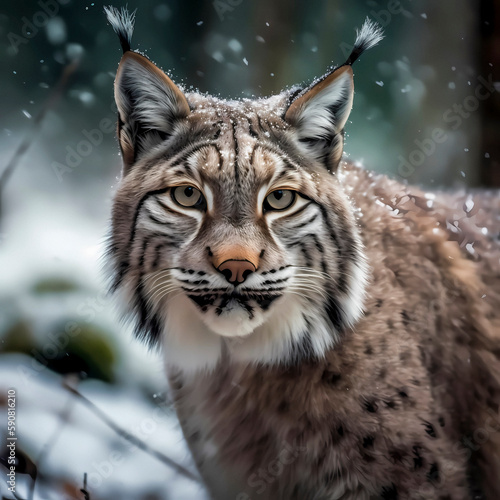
362 350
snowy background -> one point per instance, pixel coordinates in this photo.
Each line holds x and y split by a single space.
56 324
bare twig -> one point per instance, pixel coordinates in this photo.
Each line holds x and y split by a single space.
50 443
37 125
86 495
31 493
130 437
16 496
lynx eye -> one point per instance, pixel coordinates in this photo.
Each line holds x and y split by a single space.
188 196
279 199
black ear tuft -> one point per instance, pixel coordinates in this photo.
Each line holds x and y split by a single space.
366 38
122 22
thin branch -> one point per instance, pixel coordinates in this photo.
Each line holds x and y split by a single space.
31 493
28 140
50 443
16 496
86 494
130 437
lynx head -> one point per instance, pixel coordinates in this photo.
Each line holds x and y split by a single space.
231 235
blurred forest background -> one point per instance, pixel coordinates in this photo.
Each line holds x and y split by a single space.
438 69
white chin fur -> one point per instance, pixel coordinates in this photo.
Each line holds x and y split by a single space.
233 322
190 345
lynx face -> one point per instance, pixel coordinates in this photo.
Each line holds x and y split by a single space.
231 232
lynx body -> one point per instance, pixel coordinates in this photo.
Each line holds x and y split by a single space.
328 333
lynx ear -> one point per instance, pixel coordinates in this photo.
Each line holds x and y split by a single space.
320 112
149 103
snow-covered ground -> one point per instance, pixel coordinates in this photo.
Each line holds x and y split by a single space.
65 438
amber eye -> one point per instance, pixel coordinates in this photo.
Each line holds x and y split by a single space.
188 196
279 199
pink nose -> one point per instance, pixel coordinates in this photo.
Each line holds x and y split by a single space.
236 271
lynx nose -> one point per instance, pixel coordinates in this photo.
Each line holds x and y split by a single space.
236 271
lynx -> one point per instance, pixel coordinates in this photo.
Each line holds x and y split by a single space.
328 333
